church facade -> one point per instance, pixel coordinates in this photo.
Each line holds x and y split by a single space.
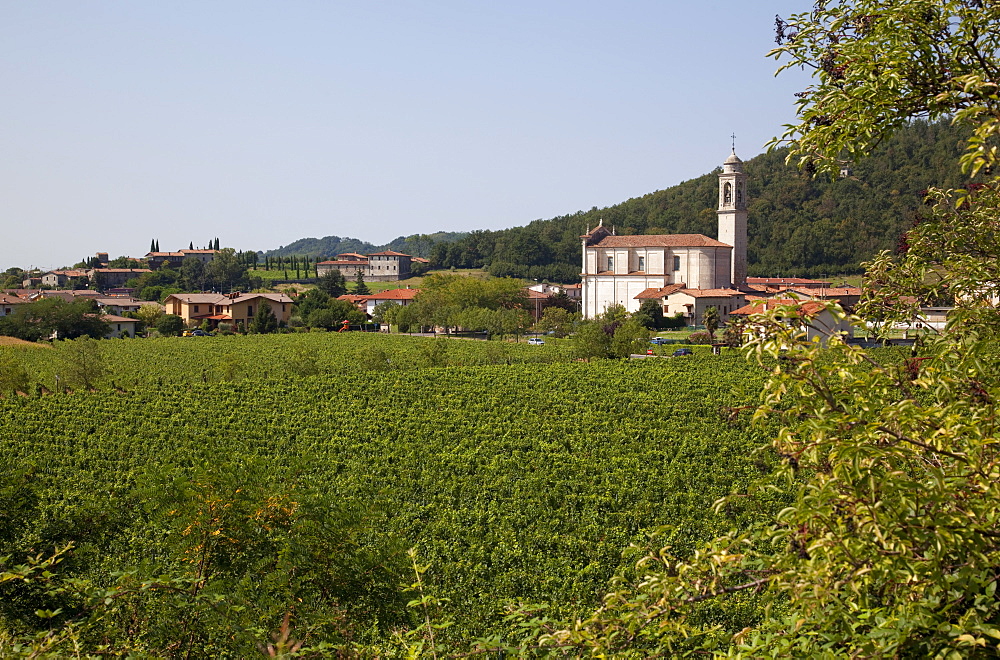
626 270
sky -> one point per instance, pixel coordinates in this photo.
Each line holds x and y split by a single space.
264 122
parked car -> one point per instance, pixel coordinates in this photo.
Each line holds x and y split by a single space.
658 340
681 352
536 341
197 332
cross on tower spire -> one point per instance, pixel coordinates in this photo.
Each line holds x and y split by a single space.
734 142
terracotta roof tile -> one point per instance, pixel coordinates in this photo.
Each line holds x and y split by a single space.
807 308
660 240
388 253
712 293
658 292
395 294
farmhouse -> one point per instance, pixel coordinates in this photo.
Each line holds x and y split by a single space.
386 266
238 308
812 317
617 270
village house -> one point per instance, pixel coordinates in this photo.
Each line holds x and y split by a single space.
386 266
120 304
9 303
119 326
235 308
811 316
61 278
692 303
176 259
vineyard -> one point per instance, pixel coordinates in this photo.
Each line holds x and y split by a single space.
517 474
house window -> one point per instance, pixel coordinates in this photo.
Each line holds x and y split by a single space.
611 263
677 263
249 310
196 309
642 264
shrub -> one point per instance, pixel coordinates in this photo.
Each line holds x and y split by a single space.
699 338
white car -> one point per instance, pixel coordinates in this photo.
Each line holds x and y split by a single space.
536 341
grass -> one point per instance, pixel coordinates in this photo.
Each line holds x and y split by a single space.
20 343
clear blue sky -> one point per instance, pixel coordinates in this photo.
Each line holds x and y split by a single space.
265 122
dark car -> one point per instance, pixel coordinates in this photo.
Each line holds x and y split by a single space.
200 333
681 352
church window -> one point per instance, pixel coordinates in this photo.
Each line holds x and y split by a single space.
727 193
677 263
739 194
611 263
642 263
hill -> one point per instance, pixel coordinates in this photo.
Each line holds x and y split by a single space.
798 226
417 245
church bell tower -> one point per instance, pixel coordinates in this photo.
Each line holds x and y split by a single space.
733 216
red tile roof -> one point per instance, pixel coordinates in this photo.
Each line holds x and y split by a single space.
660 240
395 294
344 262
828 292
388 253
122 270
655 293
712 293
807 308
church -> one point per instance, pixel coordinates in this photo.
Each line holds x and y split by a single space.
686 273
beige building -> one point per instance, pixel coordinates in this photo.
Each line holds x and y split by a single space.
387 266
692 303
236 308
625 270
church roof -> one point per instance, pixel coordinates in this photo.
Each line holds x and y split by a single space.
659 292
660 240
711 293
733 158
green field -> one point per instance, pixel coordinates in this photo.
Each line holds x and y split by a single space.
518 474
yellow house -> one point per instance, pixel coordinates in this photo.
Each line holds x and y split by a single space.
236 308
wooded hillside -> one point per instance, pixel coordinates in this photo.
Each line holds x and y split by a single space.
798 226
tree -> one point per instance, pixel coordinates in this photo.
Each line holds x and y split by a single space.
193 274
225 272
264 322
332 283
557 321
629 338
312 300
360 288
710 317
385 312
149 315
591 341
650 314
170 325
333 316
121 262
